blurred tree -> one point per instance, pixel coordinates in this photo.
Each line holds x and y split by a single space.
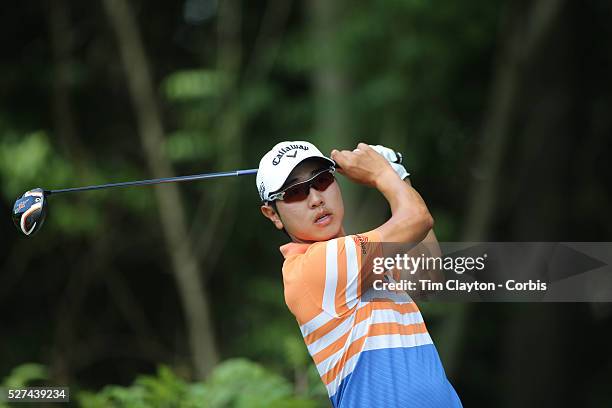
184 262
500 108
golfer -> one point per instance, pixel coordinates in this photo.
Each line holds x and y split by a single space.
371 347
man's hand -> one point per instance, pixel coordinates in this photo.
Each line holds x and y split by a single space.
392 158
362 165
410 219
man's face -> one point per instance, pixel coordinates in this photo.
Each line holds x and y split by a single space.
316 218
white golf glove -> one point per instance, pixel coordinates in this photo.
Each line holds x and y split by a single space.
391 158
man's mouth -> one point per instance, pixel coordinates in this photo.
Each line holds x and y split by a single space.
323 219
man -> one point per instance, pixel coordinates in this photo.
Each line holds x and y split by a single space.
371 347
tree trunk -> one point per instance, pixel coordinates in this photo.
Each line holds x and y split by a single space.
522 42
330 83
523 39
184 263
64 118
219 204
60 36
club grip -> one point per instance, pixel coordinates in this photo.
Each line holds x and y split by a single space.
399 159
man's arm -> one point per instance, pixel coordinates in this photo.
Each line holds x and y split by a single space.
430 248
410 220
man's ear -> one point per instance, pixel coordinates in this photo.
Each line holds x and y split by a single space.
272 215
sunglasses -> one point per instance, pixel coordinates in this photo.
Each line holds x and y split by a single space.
300 191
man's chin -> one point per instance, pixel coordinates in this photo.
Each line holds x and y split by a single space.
327 234
318 234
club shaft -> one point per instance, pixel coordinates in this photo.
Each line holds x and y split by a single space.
154 181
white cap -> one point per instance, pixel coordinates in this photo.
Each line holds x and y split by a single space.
275 166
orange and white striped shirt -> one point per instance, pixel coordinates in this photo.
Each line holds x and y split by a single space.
369 346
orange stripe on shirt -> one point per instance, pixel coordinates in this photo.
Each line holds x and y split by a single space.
353 349
326 328
380 329
377 329
362 314
331 349
365 312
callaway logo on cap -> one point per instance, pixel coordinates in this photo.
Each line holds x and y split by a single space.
275 166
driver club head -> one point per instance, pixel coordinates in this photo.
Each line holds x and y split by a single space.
29 211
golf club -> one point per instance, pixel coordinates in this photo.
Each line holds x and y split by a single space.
30 210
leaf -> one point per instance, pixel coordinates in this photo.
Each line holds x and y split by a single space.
241 383
25 374
187 145
194 84
296 352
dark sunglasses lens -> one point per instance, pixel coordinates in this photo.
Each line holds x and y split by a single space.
296 193
300 191
322 181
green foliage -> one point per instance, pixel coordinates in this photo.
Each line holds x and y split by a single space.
257 97
296 352
186 145
25 374
28 159
194 84
235 383
410 74
241 383
163 390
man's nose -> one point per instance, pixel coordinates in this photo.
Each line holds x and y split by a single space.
315 198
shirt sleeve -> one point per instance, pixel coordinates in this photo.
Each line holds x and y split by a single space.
337 272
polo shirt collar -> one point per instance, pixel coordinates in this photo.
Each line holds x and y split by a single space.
293 248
